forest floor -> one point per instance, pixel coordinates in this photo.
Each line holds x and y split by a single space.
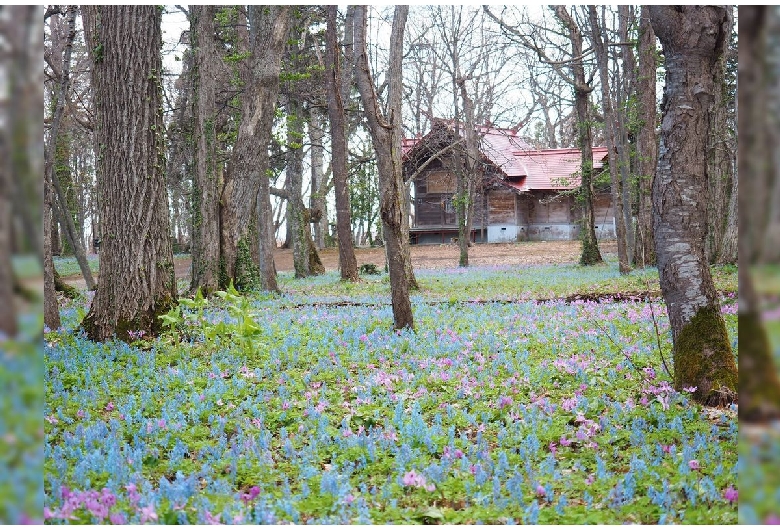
514 400
428 256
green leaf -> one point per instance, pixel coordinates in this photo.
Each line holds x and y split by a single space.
433 513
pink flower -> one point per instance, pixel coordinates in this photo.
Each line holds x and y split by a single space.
148 513
731 494
110 406
694 465
666 448
254 491
564 441
540 490
458 453
590 480
117 518
212 519
410 478
690 389
48 514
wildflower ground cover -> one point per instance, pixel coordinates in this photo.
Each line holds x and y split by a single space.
21 427
759 446
514 401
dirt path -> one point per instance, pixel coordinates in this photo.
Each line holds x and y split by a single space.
431 256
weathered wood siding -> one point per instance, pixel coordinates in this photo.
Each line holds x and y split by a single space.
501 207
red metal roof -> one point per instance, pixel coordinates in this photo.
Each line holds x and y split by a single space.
554 169
525 168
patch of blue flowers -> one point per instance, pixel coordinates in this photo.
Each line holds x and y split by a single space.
500 412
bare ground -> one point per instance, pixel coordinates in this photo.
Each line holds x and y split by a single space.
433 256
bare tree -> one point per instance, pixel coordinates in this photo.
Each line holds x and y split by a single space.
207 177
614 140
247 188
590 249
581 84
693 39
338 141
8 324
51 310
386 133
137 281
66 220
647 143
722 180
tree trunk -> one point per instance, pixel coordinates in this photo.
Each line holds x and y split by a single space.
386 134
471 175
612 128
66 221
623 93
51 309
295 207
317 203
719 163
206 183
693 40
8 324
137 281
27 92
759 388
647 143
338 141
590 248
247 189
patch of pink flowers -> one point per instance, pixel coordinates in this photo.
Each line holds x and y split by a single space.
412 478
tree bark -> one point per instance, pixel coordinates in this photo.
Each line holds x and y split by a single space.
759 387
50 155
8 324
693 40
719 163
318 203
338 141
612 128
51 309
386 134
137 282
207 178
294 169
471 175
247 188
590 248
624 89
647 143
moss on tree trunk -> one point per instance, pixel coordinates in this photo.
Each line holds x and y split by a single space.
590 252
68 290
147 321
759 388
703 358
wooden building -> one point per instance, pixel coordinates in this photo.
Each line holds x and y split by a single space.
521 191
